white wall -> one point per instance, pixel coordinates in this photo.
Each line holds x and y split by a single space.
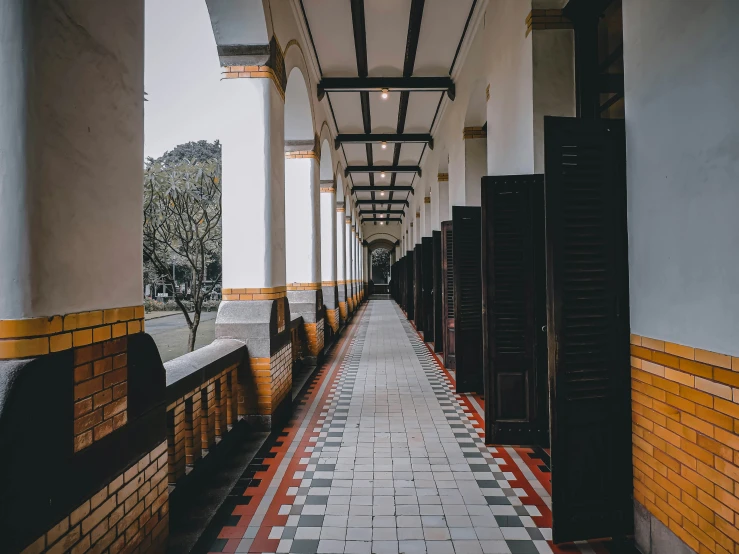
302 221
682 123
328 236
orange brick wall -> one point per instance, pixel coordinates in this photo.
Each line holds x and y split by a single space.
314 337
272 380
100 390
197 420
333 319
685 404
129 514
343 311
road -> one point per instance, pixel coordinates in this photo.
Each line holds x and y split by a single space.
170 334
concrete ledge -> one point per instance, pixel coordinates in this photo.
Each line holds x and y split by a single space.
653 537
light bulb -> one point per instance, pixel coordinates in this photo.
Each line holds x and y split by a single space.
384 145
382 223
382 175
384 94
382 193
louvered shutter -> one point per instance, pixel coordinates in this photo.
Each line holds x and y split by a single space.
418 287
427 280
467 298
447 281
436 291
410 273
588 328
514 308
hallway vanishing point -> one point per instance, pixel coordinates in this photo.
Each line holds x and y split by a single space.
382 456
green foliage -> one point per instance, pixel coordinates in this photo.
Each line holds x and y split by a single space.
182 219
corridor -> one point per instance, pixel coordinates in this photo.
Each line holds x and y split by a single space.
381 456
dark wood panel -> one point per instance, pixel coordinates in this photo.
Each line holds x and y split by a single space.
447 282
514 308
418 287
437 294
410 271
588 328
467 274
427 282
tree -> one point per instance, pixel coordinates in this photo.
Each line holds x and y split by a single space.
381 261
182 220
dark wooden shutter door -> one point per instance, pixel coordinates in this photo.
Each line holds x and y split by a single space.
418 287
514 310
588 328
467 298
427 280
437 296
410 273
447 281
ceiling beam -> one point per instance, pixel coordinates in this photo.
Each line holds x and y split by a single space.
382 220
377 84
382 169
363 188
368 202
379 138
394 212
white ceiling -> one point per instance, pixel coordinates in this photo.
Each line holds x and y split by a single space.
386 26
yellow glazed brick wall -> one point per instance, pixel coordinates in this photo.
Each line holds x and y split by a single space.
343 311
272 379
26 338
266 293
129 514
333 319
539 20
196 421
314 337
685 422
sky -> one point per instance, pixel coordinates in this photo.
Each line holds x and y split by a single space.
182 76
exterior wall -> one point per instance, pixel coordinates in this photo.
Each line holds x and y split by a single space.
683 168
130 512
273 379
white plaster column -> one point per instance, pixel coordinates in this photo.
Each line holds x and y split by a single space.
426 217
366 265
71 156
303 220
349 260
254 187
444 205
435 221
341 259
328 254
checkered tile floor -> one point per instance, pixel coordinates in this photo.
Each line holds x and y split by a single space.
384 457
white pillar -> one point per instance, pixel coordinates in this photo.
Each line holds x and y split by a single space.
349 260
434 209
303 220
328 234
341 259
444 204
426 217
254 187
71 157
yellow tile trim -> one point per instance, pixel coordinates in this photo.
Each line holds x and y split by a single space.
26 338
329 283
253 72
539 20
301 154
473 133
443 177
304 286
328 189
711 372
341 209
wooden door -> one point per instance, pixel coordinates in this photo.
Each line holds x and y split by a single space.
467 298
418 287
436 291
427 281
410 272
588 328
447 284
514 310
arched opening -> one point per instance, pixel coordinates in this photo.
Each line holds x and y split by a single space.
329 284
381 266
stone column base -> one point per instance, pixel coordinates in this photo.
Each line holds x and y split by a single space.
334 319
265 388
308 304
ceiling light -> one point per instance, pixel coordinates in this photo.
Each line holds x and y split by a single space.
382 223
384 145
384 94
382 175
382 193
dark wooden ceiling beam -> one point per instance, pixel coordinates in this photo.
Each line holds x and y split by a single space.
394 212
364 188
377 84
369 202
379 138
382 169
381 220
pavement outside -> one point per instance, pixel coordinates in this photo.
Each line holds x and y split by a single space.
170 332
